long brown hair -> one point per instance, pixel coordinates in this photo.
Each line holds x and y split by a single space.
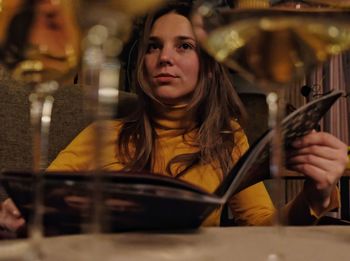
213 106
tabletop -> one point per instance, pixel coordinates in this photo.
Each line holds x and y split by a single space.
230 243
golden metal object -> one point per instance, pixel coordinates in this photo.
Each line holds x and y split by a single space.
252 3
134 8
46 32
50 32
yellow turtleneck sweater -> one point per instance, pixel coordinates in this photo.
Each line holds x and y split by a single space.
251 206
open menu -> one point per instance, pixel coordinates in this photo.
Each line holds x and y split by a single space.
149 201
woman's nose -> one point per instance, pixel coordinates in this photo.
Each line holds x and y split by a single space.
166 56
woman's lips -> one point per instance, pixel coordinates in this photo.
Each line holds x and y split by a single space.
165 77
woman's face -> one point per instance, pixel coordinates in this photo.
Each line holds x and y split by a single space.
171 61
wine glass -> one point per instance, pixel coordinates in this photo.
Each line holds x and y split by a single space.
106 26
272 46
40 46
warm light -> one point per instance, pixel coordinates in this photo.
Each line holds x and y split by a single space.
252 3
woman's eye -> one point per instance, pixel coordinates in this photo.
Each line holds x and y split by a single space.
186 46
152 46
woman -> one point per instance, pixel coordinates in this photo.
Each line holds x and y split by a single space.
186 127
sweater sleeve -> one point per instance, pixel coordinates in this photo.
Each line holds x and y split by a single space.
253 205
79 155
299 212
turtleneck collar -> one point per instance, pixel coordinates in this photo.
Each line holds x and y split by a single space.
170 119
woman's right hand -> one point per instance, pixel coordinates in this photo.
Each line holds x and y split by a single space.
10 217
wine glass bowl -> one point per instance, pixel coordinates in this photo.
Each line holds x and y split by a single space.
273 46
133 8
109 22
40 42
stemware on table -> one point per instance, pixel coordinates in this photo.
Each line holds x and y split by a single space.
272 44
40 45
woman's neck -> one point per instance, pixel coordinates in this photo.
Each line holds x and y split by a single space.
171 117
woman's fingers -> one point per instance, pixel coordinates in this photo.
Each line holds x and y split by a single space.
10 217
322 139
320 177
315 166
9 206
12 224
322 158
321 150
317 150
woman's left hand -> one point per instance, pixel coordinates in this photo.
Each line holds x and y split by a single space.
322 158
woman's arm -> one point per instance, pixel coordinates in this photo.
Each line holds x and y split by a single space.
80 154
322 159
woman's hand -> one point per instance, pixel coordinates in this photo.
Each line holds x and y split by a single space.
10 217
322 158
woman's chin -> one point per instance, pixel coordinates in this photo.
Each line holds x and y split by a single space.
170 100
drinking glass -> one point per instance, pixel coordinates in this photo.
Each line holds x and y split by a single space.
40 47
272 46
40 44
107 25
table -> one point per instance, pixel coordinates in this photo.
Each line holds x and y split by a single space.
230 243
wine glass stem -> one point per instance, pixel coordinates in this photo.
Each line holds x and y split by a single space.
41 109
40 115
101 81
275 101
91 75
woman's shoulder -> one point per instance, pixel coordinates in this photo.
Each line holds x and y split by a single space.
235 125
78 155
106 125
109 128
237 129
240 137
